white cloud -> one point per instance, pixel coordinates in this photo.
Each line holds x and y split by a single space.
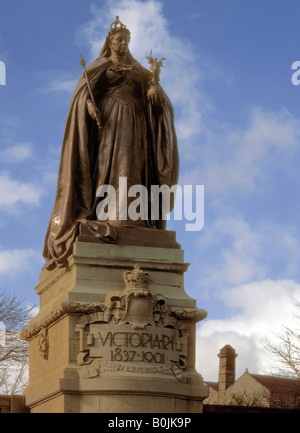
263 308
13 192
14 262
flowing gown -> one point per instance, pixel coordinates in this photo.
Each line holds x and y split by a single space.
137 141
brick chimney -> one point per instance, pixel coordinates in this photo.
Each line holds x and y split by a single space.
227 357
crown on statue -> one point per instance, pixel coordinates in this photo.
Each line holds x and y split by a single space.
136 279
117 25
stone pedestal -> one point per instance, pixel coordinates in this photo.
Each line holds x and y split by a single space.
116 331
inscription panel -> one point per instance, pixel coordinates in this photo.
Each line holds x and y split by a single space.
121 343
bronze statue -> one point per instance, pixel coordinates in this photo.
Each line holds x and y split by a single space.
126 129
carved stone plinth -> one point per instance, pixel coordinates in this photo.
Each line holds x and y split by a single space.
115 333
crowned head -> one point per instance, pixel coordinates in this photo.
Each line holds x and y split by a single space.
118 26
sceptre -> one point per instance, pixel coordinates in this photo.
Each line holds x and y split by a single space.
155 67
83 64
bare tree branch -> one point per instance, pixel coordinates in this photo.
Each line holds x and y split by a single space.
286 350
13 351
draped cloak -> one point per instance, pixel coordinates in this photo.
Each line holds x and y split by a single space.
138 141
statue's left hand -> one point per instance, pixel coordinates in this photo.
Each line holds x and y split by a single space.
156 98
155 95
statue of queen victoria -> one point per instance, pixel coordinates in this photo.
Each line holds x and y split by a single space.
120 125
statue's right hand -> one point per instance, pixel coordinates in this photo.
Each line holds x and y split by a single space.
93 110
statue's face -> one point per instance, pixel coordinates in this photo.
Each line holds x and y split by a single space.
119 42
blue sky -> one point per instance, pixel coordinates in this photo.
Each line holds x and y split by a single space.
228 74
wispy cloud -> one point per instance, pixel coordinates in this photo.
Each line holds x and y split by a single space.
18 260
8 127
16 153
14 192
233 159
240 252
61 85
